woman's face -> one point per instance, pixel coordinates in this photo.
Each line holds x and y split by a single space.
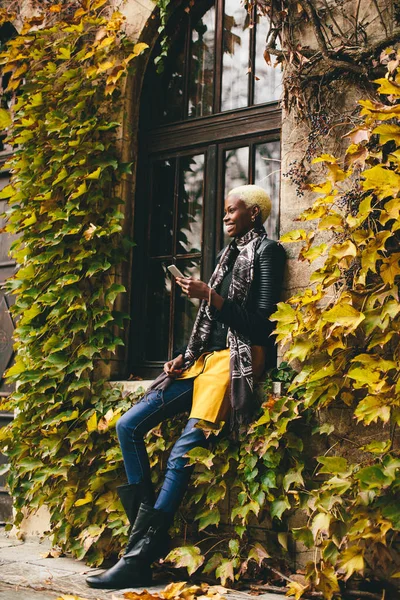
238 218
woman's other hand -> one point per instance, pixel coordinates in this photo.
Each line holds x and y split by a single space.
193 288
174 367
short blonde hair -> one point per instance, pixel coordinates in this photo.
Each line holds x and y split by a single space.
254 195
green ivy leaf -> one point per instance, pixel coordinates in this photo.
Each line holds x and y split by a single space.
279 506
186 556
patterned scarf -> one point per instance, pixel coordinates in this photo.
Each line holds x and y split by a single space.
241 370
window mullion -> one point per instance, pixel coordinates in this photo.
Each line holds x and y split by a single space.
171 341
252 57
210 222
188 44
252 159
219 42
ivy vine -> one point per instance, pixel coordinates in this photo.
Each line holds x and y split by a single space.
66 71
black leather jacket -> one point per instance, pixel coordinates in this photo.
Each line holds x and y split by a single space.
253 319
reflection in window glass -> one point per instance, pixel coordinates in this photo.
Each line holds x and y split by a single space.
236 173
173 78
190 216
236 42
201 72
157 311
268 79
236 168
185 308
163 180
267 176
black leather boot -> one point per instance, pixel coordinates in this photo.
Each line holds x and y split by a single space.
133 494
147 542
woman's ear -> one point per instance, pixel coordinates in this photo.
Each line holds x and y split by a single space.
255 212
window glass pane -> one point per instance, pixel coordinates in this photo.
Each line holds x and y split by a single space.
164 91
268 79
267 176
236 46
190 217
163 180
185 308
201 72
173 95
236 173
157 311
236 168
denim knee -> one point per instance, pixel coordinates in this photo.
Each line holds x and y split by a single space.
190 438
122 429
127 424
176 461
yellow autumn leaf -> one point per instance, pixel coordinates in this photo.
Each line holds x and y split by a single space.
16 369
333 220
98 4
297 235
91 424
88 498
106 41
314 252
327 158
94 174
299 349
30 220
321 188
70 597
387 87
296 590
390 212
390 268
62 175
80 190
5 119
140 47
388 132
104 66
344 315
383 181
352 561
336 173
347 248
173 590
380 111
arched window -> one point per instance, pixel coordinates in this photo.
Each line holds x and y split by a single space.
208 123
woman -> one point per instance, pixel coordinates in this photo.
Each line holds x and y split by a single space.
212 378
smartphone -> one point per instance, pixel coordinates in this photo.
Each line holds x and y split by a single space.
175 271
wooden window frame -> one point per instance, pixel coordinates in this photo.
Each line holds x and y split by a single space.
211 135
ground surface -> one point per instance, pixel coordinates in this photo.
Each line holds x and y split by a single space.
26 575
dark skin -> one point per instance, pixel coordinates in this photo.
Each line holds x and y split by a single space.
238 220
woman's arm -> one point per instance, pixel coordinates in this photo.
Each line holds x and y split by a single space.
252 321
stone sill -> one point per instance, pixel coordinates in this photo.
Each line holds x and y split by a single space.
133 386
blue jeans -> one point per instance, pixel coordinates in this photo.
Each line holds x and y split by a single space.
153 408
